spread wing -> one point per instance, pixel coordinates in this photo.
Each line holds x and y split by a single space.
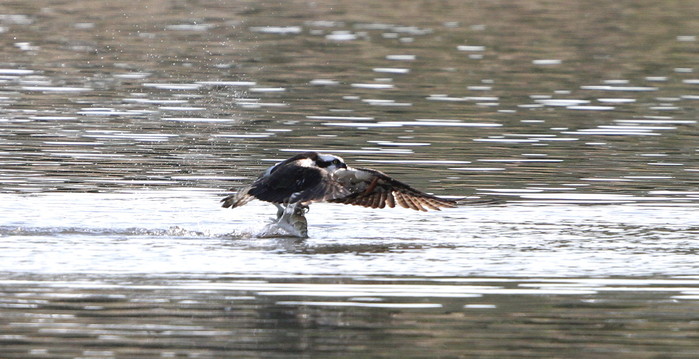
289 183
371 188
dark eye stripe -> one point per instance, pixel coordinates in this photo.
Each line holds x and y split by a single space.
323 164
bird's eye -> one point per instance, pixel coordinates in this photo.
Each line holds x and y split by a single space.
336 161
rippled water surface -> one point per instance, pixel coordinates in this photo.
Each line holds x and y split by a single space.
122 125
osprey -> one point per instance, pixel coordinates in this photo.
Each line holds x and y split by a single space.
309 177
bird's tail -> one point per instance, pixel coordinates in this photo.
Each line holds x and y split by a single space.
237 199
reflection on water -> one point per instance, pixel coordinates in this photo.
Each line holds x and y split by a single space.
581 120
345 317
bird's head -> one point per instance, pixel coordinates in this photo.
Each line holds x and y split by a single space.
330 162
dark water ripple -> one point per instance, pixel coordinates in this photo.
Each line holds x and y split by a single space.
205 118
336 316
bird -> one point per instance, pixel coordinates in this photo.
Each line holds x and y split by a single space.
309 177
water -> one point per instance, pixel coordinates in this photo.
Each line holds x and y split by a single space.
122 127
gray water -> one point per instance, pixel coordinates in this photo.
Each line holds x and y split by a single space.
122 125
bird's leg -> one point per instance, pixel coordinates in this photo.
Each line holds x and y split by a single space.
280 211
277 223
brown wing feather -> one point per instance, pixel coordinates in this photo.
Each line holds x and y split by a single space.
403 201
417 203
382 200
390 200
377 190
375 200
400 201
